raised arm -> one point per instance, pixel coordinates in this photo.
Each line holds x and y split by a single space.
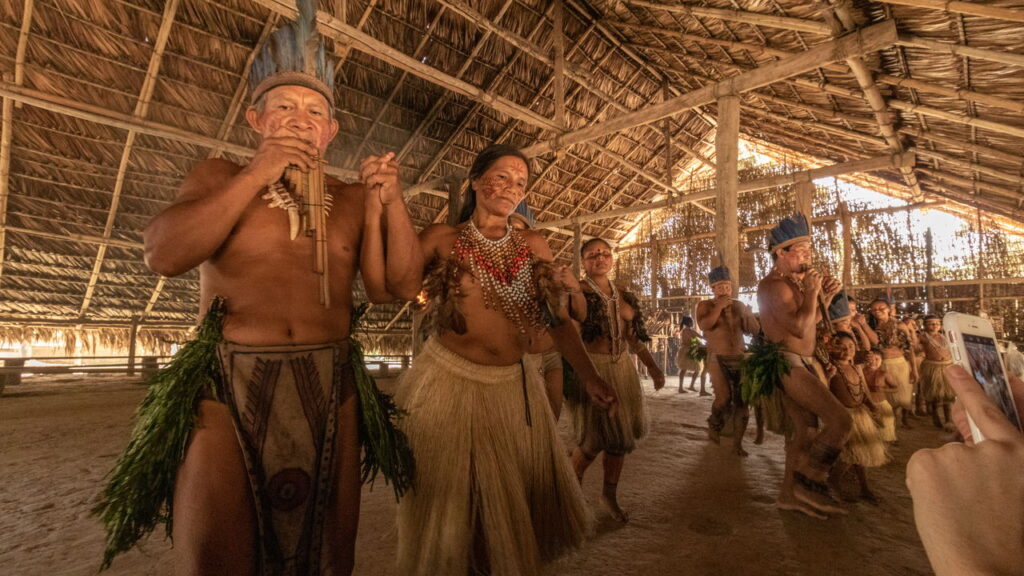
211 200
708 312
391 259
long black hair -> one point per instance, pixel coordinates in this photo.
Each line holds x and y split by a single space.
484 160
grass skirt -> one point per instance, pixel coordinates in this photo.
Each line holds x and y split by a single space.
483 472
620 434
888 429
903 397
865 446
934 387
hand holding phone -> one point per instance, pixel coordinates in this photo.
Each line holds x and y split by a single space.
972 343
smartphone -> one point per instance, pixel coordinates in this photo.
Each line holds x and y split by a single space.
972 342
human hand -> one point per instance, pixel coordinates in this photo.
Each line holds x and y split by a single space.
279 151
969 499
659 379
380 175
812 281
566 280
830 287
602 395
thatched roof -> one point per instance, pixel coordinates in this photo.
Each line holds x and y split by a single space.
121 97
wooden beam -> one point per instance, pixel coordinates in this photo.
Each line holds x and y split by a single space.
866 165
869 39
966 8
141 110
957 117
335 29
961 50
982 151
558 47
7 123
967 165
727 140
84 238
958 93
752 18
114 119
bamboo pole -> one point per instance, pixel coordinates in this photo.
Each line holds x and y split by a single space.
869 39
558 47
981 151
966 8
84 238
752 18
846 221
957 117
961 50
133 335
972 184
869 164
105 117
972 166
958 93
727 142
141 110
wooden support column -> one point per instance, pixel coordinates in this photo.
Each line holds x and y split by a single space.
655 266
727 184
929 271
454 203
133 335
804 197
847 227
558 84
577 246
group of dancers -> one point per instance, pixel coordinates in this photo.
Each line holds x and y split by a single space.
849 377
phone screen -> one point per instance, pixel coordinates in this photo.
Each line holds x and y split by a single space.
984 358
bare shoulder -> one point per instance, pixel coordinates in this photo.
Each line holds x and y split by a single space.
437 240
352 195
206 176
537 244
703 306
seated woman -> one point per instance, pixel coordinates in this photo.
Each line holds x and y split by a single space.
494 492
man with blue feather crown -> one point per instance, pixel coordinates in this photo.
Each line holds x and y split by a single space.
252 444
791 301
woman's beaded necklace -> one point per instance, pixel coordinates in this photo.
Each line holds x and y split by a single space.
505 272
611 309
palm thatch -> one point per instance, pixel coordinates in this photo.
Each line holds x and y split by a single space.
107 103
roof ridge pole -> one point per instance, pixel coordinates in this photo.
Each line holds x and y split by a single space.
7 125
874 98
870 39
141 109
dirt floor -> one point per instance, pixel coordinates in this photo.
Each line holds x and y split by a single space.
696 508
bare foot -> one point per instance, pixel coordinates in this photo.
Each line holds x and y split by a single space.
612 504
713 435
822 502
741 452
692 389
759 439
682 391
703 393
797 506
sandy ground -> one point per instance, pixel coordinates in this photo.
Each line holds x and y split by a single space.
696 508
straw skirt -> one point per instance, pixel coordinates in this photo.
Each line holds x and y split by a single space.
618 434
490 469
888 429
934 387
903 397
865 446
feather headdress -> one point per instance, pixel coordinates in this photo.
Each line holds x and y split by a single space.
839 309
720 274
789 231
294 56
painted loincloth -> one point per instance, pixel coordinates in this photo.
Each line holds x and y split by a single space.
491 470
934 387
284 401
616 435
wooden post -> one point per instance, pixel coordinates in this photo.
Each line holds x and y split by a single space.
577 245
454 203
727 184
133 334
558 84
928 276
804 198
655 265
847 226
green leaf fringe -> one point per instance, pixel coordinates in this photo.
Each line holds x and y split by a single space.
140 493
386 448
763 371
697 351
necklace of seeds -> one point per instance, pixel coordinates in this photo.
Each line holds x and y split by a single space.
505 272
611 310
